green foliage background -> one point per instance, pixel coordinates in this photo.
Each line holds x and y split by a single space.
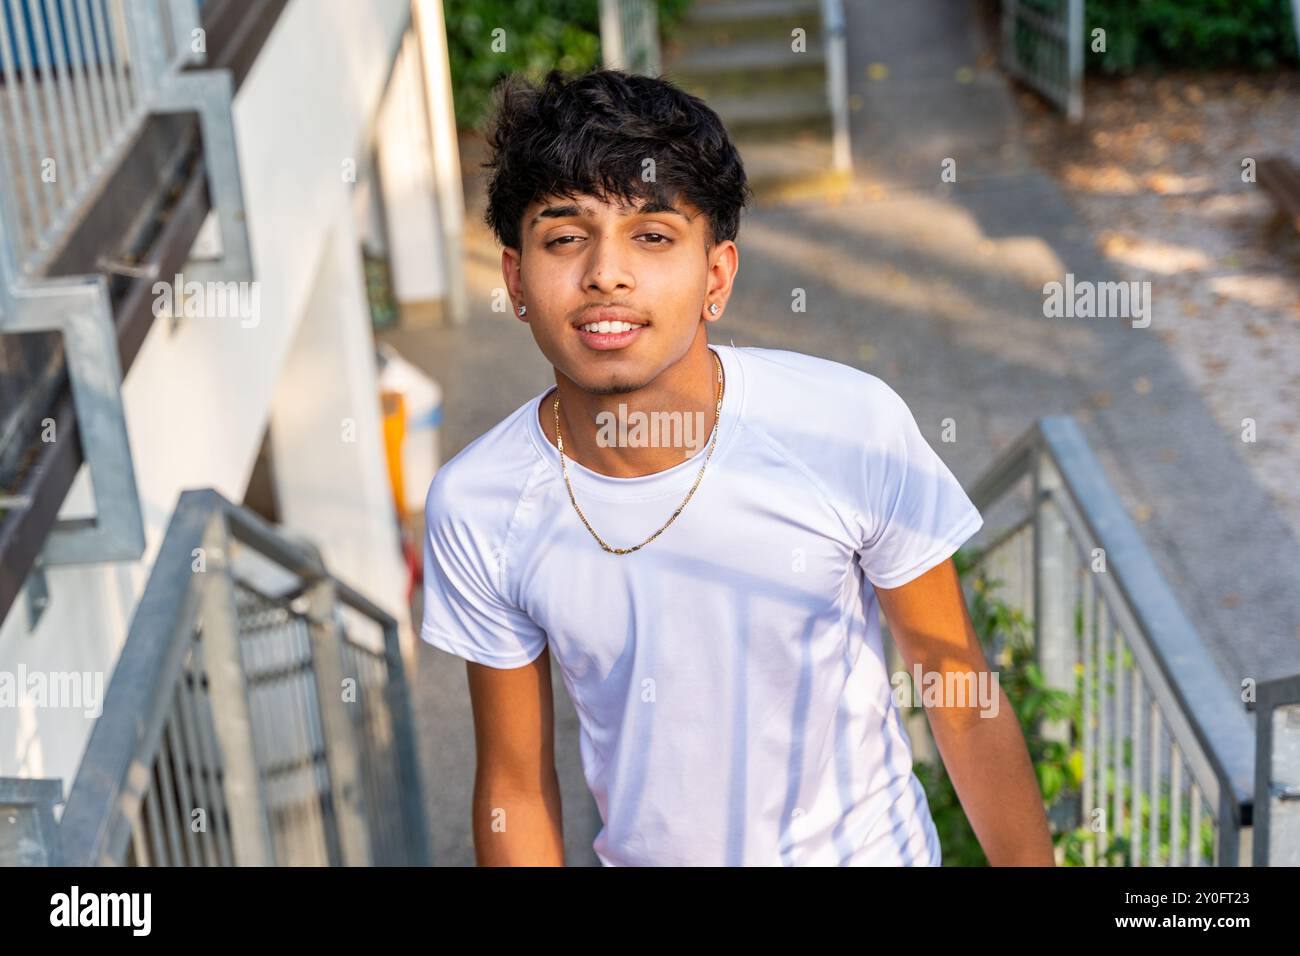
1198 34
539 35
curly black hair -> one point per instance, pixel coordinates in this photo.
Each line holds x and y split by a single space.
591 134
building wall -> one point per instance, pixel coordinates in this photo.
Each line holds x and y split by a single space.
198 398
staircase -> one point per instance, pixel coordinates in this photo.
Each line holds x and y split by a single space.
771 86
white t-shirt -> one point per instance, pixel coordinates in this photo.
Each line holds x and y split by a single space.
734 703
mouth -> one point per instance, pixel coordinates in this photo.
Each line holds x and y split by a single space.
605 329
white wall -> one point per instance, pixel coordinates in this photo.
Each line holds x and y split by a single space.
406 180
327 443
197 401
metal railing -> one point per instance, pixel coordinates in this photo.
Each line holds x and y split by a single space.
258 715
78 78
1042 46
1168 748
837 83
629 36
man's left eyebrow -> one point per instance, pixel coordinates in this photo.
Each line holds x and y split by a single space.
654 206
557 212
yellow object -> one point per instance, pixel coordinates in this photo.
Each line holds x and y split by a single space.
394 406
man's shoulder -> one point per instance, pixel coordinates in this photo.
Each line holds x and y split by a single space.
787 389
489 474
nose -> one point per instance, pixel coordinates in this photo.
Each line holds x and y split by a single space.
606 271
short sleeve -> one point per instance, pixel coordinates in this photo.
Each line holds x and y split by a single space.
465 612
917 513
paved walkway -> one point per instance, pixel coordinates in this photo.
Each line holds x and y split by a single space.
937 288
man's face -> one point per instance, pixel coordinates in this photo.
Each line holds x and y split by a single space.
584 261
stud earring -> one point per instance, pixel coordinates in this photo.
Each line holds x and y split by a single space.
523 309
713 309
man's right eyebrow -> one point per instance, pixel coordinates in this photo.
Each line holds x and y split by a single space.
555 212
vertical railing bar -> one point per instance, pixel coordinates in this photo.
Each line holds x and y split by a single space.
63 169
1117 737
299 643
1135 775
167 799
1153 853
184 708
1175 804
66 99
23 228
1194 856
141 844
38 122
211 752
150 813
94 83
1104 633
180 760
117 122
65 20
317 790
121 52
1089 737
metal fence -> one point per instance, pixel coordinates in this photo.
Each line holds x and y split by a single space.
78 79
258 715
1169 751
1043 45
629 36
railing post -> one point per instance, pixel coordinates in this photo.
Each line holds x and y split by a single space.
148 48
837 82
611 36
341 753
408 759
185 19
1075 39
1277 773
28 834
1054 644
250 828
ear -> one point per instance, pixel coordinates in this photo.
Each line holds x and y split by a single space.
724 261
511 262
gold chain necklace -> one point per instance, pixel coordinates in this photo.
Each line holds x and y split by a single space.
559 441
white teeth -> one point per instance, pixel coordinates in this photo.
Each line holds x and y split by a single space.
607 327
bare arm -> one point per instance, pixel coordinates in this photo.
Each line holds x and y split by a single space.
985 755
516 809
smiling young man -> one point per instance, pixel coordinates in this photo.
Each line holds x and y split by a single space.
712 608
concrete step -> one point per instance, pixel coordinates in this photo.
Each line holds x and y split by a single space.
705 59
774 111
793 167
751 20
730 12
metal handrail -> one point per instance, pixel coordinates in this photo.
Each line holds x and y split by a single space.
837 83
185 719
77 91
1075 511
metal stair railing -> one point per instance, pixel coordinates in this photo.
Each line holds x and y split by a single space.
80 80
1164 737
258 715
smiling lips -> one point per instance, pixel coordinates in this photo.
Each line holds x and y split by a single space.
607 332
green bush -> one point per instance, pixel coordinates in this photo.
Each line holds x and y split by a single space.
538 35
1201 34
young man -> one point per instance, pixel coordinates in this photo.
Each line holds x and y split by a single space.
712 602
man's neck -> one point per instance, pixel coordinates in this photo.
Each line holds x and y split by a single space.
632 434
